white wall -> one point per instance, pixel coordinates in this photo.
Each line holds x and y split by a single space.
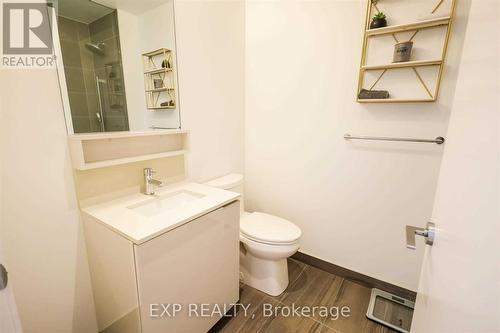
210 51
40 229
351 199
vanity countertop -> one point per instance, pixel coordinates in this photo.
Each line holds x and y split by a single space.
139 217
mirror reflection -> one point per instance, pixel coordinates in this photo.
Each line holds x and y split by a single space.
118 68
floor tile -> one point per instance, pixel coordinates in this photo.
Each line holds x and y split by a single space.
295 288
258 321
356 297
282 324
251 299
308 286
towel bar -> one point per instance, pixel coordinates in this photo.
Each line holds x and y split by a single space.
439 140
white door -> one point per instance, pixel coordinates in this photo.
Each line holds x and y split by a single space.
459 288
9 320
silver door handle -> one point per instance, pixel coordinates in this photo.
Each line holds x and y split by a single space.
429 233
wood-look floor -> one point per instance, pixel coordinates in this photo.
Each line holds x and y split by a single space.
308 286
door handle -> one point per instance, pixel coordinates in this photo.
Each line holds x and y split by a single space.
429 233
3 277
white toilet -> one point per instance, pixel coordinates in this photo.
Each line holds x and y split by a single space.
267 243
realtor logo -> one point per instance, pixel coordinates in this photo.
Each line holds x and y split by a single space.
27 35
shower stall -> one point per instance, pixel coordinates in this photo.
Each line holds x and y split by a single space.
93 70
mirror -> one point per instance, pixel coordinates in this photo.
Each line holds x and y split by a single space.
117 65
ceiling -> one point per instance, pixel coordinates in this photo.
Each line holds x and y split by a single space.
84 11
133 6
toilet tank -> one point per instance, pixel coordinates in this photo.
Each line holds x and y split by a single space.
232 182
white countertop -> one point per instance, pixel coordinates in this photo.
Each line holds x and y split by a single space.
118 216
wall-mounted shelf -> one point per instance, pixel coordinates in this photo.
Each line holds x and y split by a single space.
162 107
395 100
118 161
91 151
419 63
157 71
159 89
410 26
429 89
159 79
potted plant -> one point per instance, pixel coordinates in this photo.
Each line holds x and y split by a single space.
378 21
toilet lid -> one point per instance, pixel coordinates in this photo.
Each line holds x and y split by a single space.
269 228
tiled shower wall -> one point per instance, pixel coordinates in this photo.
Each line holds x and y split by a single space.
81 66
108 67
80 76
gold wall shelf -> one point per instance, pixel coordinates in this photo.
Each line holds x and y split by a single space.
159 79
413 65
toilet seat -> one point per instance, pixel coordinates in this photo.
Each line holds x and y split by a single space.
269 229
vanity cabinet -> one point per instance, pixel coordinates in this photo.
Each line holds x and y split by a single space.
195 263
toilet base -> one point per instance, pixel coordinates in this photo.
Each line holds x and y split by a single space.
267 275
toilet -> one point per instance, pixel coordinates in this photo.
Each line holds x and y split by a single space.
266 243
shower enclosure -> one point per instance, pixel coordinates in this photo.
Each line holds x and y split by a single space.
91 55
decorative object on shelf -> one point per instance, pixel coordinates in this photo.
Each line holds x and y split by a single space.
373 94
158 83
167 103
159 79
166 64
378 21
402 55
402 51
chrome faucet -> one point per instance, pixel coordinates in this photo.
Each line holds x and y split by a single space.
149 182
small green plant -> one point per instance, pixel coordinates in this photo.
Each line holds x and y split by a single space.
379 16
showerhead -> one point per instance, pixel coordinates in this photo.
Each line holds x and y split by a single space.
96 47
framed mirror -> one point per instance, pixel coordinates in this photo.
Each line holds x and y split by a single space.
117 65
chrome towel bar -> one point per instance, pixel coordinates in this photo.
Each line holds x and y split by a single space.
439 140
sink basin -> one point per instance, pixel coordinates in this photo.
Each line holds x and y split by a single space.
160 204
139 217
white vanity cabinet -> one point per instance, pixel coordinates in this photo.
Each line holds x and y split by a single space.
194 263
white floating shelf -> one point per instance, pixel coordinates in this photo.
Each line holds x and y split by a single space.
124 134
91 151
103 164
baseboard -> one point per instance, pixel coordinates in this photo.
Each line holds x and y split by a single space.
365 280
